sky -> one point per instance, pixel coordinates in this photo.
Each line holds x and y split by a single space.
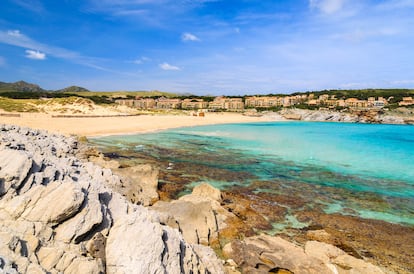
208 47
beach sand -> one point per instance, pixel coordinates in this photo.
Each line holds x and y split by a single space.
98 126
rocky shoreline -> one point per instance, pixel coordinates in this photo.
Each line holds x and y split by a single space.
400 116
67 209
60 215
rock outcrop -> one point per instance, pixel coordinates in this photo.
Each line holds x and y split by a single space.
267 254
58 215
139 184
63 215
355 116
199 216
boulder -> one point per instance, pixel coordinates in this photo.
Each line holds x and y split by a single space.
207 191
139 184
35 205
196 221
199 216
154 249
14 168
321 235
338 259
264 253
61 215
85 265
89 217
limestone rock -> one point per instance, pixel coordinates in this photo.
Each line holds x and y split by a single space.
14 168
89 217
154 249
35 269
263 253
198 216
207 191
49 257
85 265
338 259
321 236
139 184
61 215
196 221
35 205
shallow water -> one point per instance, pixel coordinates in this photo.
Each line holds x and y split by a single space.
356 169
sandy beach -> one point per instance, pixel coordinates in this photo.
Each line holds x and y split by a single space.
98 126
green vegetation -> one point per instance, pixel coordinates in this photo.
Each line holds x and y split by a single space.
26 91
11 105
306 106
125 94
23 90
363 94
274 109
20 86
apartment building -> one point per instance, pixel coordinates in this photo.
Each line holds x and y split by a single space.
167 103
226 103
194 104
406 101
145 103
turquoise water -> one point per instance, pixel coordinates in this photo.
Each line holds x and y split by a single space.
358 169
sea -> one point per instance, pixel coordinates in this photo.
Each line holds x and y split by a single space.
364 170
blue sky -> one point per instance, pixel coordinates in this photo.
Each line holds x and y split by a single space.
208 46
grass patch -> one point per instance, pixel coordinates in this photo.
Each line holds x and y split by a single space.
24 105
124 94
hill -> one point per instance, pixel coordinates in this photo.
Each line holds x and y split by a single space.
72 89
33 91
20 86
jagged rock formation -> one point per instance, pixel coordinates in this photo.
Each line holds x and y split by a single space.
58 216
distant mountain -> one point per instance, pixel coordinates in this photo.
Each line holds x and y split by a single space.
73 89
20 86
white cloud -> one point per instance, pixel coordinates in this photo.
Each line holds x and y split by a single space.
18 39
327 6
166 66
189 37
35 55
15 33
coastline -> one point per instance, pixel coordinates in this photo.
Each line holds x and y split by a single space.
105 123
349 236
102 126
